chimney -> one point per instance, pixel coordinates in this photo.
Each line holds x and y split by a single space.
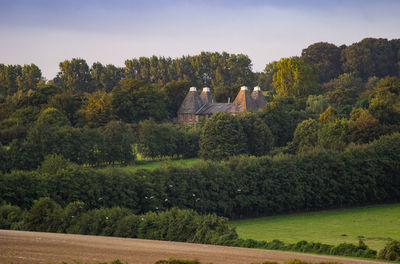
193 89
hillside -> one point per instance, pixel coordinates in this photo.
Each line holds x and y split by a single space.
376 225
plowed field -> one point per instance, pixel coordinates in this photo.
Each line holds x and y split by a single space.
36 247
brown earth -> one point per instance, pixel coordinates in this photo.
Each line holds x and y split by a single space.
36 247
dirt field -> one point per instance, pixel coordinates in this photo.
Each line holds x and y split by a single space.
36 247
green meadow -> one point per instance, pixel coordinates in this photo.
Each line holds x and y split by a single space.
150 164
376 225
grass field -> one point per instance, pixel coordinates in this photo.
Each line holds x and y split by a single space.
145 164
376 225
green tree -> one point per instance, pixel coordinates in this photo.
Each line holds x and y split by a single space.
174 92
134 101
370 57
385 103
29 78
119 140
325 58
345 89
258 134
222 137
305 136
97 110
295 78
74 76
45 216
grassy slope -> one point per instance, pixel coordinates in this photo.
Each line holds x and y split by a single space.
155 164
377 224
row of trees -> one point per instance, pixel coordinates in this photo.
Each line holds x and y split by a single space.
173 225
239 187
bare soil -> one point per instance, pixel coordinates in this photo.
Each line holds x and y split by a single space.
36 247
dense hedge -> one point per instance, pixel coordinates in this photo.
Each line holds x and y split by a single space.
172 225
241 187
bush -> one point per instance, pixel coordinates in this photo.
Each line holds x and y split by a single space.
391 251
178 261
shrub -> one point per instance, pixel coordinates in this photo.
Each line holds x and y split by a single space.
391 251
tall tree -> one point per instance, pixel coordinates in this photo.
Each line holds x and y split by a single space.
222 137
324 57
370 57
75 76
134 101
295 78
30 77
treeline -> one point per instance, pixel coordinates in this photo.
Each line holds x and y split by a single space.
239 187
171 225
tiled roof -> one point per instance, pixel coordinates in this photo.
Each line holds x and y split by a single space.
213 108
206 97
258 99
191 104
243 102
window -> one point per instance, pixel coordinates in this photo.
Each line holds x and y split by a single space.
190 117
197 118
182 116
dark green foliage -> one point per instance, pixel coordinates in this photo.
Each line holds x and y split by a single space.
222 137
324 57
282 118
177 261
391 251
119 142
134 101
45 216
370 57
167 140
258 135
240 187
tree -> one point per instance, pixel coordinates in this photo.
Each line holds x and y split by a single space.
174 92
134 101
305 136
68 103
119 141
97 109
30 77
385 102
363 127
74 76
8 79
105 77
295 78
43 134
222 137
370 57
157 140
345 89
45 216
317 103
325 58
282 119
258 134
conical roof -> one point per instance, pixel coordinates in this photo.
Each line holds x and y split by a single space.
243 102
206 96
258 97
192 102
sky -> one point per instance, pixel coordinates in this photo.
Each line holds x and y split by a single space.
46 32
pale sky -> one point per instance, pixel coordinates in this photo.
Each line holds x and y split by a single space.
111 31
